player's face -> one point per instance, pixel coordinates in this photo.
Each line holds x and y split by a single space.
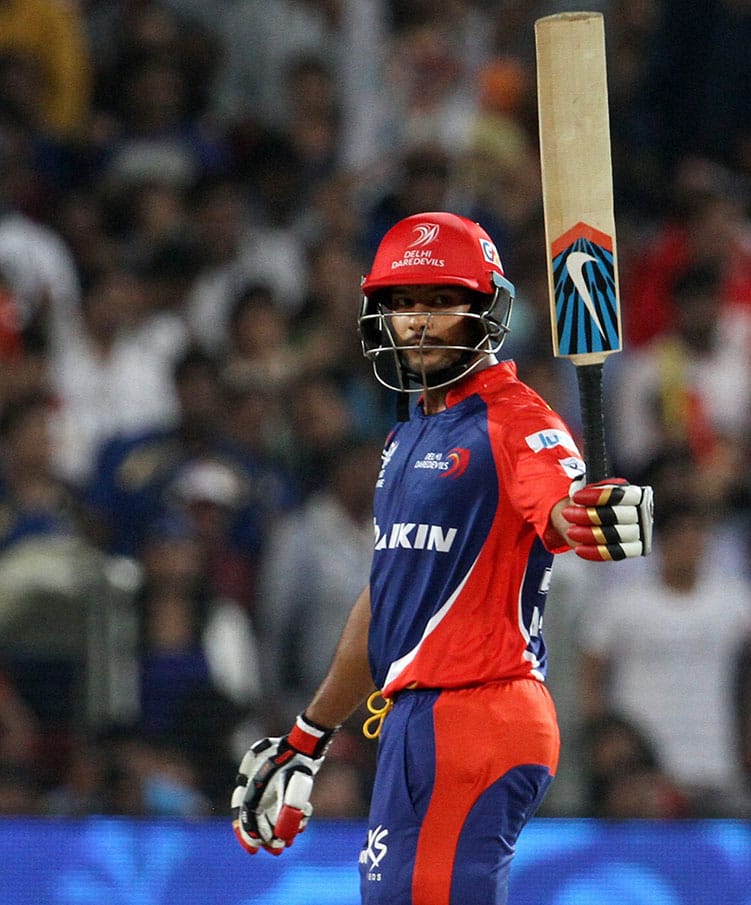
430 318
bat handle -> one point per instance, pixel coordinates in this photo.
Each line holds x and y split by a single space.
593 421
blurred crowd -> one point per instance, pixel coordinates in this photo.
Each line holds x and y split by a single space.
190 192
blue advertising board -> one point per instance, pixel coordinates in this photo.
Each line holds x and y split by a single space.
559 862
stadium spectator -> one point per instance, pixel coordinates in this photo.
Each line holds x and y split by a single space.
420 181
148 777
52 37
316 557
322 423
254 420
113 374
666 659
34 501
127 490
706 225
324 346
81 786
690 385
19 726
20 792
625 779
232 253
315 122
154 76
192 463
211 494
23 370
260 40
698 81
430 73
193 638
259 347
81 218
36 263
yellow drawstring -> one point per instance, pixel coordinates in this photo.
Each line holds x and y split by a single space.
371 728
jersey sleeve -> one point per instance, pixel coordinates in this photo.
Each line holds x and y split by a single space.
541 461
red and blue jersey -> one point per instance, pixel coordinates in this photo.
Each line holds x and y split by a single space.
462 561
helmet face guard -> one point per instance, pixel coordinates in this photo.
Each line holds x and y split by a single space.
434 249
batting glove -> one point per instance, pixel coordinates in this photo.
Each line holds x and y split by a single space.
271 800
610 520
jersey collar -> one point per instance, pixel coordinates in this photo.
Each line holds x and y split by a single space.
487 379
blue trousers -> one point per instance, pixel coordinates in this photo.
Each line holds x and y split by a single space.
460 772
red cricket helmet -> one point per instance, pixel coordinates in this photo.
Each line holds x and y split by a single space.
442 249
435 248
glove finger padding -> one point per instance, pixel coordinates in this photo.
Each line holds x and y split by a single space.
296 809
284 808
607 494
611 520
251 825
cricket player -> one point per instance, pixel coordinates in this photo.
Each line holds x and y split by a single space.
471 505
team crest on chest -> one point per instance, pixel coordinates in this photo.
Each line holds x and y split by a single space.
452 464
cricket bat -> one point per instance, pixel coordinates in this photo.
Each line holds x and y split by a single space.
577 192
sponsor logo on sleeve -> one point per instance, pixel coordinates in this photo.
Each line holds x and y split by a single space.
573 466
549 439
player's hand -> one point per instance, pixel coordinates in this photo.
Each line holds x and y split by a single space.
610 520
271 801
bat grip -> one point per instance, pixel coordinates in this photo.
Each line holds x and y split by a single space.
593 421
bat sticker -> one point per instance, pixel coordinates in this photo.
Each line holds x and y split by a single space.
584 283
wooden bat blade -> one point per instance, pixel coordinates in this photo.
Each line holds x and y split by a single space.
577 186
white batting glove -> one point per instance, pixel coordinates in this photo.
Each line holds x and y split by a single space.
610 520
271 801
